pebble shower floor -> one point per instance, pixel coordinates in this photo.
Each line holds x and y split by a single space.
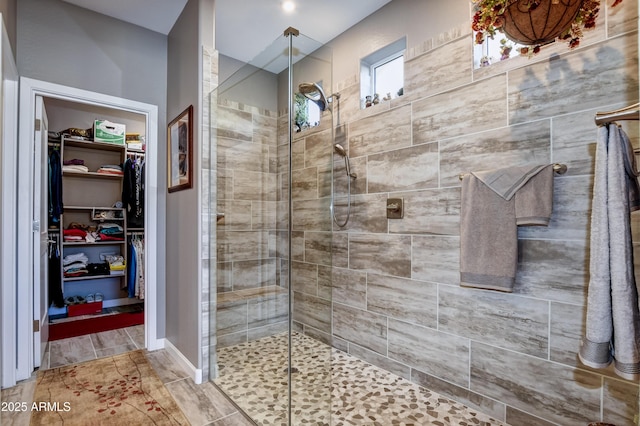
254 375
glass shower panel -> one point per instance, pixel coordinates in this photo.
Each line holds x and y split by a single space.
269 340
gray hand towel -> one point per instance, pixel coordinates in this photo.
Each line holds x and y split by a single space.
613 318
493 204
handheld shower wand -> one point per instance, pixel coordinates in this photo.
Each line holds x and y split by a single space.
339 149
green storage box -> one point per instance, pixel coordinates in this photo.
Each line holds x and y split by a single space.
108 132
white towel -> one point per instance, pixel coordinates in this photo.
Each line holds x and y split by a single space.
613 319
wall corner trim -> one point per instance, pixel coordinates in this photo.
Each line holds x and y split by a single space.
194 373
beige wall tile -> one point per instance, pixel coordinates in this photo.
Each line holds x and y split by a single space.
516 323
620 402
367 213
439 69
364 328
403 169
508 146
313 311
347 286
597 75
434 211
567 328
381 132
553 270
471 108
440 354
404 299
305 278
554 392
435 259
385 254
254 273
461 394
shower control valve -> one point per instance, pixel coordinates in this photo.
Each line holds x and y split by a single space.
395 208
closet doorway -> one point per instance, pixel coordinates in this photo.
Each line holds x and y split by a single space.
65 291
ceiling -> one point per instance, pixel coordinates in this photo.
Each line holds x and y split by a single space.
245 27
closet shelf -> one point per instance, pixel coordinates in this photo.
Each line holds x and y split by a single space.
92 277
97 243
91 208
90 144
92 175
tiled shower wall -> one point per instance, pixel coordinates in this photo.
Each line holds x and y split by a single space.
388 291
249 304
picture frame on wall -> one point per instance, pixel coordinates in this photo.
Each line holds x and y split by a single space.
180 151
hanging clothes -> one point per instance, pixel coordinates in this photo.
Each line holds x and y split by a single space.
135 268
133 192
140 278
55 188
55 279
131 269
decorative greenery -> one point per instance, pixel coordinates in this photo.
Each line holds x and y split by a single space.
505 49
489 19
301 112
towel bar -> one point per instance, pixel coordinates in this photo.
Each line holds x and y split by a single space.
557 167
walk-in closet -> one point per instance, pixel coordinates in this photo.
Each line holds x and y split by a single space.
95 202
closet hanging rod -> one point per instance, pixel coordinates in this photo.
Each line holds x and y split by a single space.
557 167
627 113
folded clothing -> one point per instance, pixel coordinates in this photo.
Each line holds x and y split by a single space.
111 169
110 232
75 162
110 228
116 262
107 237
75 265
76 168
98 268
71 258
75 232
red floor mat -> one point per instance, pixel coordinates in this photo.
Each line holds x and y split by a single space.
95 324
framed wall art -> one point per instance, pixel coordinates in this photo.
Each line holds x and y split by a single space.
180 151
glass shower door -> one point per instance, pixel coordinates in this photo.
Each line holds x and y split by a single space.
272 282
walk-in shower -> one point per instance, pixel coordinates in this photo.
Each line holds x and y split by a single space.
273 190
290 341
315 93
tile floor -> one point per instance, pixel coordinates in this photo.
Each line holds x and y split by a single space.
254 375
93 346
203 405
329 387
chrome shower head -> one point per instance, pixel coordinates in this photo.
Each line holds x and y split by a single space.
340 150
314 93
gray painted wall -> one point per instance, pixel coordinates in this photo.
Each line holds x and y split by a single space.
428 18
61 43
183 263
8 8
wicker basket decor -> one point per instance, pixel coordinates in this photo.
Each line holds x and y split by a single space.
540 24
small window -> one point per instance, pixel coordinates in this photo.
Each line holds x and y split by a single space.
494 50
382 74
307 113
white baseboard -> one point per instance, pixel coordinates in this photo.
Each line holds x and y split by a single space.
195 373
